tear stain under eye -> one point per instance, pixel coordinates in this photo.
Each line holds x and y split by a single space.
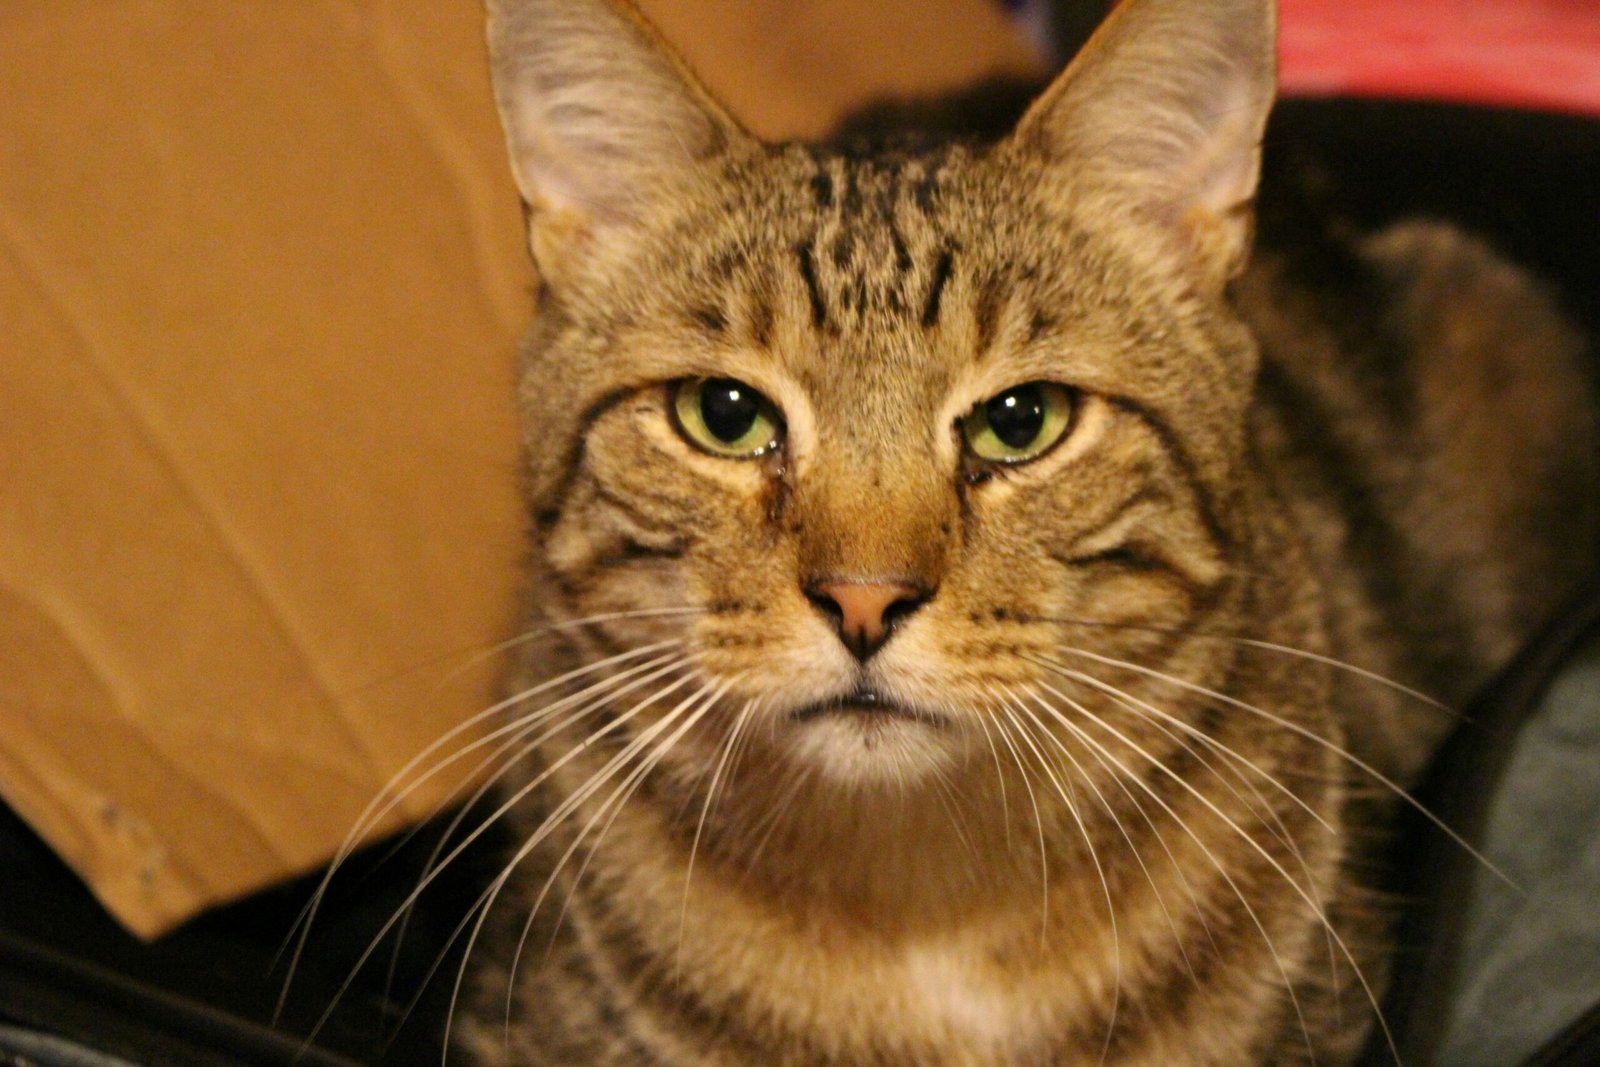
970 479
775 465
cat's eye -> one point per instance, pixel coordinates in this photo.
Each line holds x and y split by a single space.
1019 424
726 417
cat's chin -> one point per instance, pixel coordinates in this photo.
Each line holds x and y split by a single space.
868 742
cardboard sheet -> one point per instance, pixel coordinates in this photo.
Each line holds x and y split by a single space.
261 276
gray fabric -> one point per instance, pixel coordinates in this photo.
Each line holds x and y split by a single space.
33 1049
1530 961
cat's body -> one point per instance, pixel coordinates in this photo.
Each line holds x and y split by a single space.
1019 760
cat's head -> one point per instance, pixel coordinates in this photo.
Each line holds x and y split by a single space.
898 430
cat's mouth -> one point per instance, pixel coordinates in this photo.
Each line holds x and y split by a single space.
866 703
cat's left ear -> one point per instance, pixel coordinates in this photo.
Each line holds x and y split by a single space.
1164 110
602 120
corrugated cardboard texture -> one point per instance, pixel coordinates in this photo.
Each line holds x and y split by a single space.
261 275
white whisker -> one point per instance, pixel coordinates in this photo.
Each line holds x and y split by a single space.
1155 717
1315 738
570 803
705 809
602 692
1253 844
799 778
388 798
1038 819
1270 646
1094 857
1158 715
706 697
511 802
565 626
1121 829
1000 777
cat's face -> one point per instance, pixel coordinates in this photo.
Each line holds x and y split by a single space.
885 444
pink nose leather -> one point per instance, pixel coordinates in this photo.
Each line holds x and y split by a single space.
862 610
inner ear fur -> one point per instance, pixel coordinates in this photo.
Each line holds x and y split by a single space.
1164 110
602 119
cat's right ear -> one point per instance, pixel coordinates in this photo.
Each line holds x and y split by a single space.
602 120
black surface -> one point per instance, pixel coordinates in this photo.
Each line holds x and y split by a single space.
1528 182
206 995
1072 22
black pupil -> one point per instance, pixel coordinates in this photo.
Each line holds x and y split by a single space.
1017 415
729 408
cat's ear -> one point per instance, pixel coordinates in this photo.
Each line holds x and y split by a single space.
601 118
1164 108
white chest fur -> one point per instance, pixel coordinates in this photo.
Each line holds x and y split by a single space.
957 990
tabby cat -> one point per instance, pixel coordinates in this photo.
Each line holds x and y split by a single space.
980 608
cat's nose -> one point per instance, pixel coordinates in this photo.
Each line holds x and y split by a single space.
865 613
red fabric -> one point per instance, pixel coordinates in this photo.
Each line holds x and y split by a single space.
1525 53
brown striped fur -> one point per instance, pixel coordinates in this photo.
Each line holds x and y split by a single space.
1112 824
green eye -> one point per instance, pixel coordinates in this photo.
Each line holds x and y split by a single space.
726 417
1019 424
